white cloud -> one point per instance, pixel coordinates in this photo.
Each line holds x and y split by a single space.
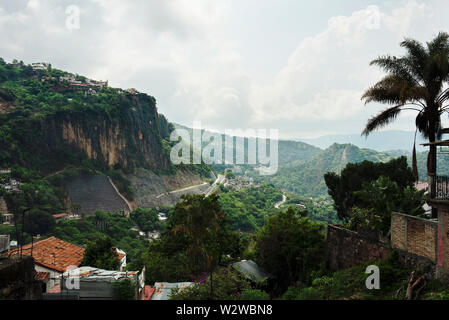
326 75
179 51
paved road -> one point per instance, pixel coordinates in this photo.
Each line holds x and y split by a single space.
220 179
280 203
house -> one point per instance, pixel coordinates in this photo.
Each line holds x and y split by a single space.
11 185
5 171
60 216
52 256
132 91
162 216
90 283
4 243
163 290
98 83
40 66
6 216
122 258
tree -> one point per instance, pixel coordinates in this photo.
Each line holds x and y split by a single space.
289 246
342 187
375 202
146 219
414 82
124 289
101 254
203 227
229 284
39 222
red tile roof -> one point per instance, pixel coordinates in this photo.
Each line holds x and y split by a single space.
148 292
119 254
60 215
41 275
54 253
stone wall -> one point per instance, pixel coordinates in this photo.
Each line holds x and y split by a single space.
346 248
415 236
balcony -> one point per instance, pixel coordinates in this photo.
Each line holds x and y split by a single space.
442 187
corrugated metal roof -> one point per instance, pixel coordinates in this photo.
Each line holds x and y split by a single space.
95 274
251 270
164 289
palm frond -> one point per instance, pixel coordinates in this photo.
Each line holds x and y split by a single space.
394 66
439 44
393 89
416 57
382 119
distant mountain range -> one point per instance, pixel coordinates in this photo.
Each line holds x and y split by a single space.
302 166
379 141
307 178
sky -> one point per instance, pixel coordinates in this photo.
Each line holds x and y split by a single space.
297 66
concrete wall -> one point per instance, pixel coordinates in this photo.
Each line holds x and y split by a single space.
442 244
346 248
4 242
53 277
414 235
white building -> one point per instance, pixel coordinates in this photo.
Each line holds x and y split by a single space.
40 66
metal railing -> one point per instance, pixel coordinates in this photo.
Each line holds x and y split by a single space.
442 187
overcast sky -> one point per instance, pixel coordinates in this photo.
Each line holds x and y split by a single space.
299 66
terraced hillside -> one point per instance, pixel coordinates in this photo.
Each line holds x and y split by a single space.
94 192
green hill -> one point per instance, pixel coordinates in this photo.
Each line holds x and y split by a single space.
306 178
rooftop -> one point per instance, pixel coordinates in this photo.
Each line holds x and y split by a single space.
96 274
60 215
162 290
251 270
54 253
42 276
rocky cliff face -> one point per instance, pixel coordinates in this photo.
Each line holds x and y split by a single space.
128 140
153 190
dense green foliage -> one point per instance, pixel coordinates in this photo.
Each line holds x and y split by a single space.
147 219
375 202
319 209
248 208
124 289
350 283
196 240
228 285
290 246
306 177
342 187
101 254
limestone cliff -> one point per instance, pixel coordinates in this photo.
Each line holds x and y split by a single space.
126 140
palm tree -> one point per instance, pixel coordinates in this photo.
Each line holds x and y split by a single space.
414 82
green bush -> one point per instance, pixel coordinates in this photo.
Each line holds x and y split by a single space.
254 294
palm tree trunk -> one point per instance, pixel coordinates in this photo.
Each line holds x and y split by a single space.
432 169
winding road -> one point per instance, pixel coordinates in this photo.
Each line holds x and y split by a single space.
280 203
220 179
